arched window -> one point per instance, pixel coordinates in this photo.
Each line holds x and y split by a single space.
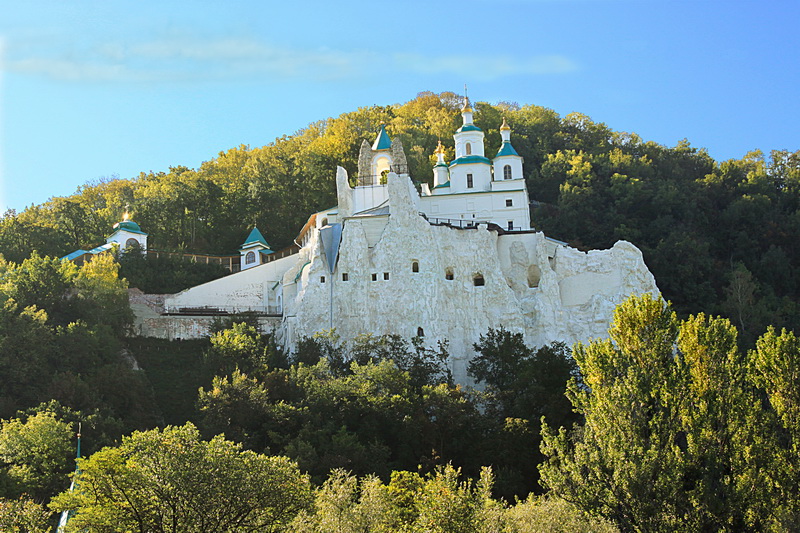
469 149
507 172
132 243
414 266
420 332
448 274
249 258
478 280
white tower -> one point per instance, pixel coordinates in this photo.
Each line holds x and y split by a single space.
507 163
254 250
127 234
470 171
441 173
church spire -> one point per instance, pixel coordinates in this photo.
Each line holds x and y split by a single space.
466 111
382 141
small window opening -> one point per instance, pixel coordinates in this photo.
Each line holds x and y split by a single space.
510 225
509 202
469 149
322 279
469 181
250 257
131 243
324 221
385 275
374 277
345 277
420 332
414 266
534 275
448 274
478 280
507 172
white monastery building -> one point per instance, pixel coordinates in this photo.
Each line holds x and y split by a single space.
445 263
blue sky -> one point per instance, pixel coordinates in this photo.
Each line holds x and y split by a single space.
93 90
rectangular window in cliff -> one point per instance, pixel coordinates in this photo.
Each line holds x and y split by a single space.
345 277
448 274
385 276
374 277
322 279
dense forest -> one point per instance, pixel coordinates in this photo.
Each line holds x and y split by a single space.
685 421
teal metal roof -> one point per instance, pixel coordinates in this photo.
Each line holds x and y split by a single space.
440 165
469 159
254 238
129 226
75 254
468 127
447 184
506 149
102 248
94 251
382 142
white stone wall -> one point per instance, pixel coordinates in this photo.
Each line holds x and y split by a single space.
533 285
248 290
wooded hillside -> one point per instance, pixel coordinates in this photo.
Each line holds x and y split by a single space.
720 237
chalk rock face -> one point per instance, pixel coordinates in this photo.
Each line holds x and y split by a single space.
399 274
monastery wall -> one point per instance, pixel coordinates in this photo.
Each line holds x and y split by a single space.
255 289
530 284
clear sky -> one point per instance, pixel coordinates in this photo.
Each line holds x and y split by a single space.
92 90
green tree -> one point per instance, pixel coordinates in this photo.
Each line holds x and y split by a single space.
625 463
674 434
170 480
24 516
36 454
775 365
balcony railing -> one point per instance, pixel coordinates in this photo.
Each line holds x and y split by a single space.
380 179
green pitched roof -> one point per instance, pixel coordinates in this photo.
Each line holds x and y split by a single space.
255 237
506 149
382 142
469 159
130 226
468 127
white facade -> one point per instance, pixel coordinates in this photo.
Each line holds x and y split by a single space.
256 289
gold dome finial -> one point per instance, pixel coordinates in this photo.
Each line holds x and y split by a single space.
439 149
466 108
504 126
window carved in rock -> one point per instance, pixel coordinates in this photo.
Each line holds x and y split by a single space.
478 280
